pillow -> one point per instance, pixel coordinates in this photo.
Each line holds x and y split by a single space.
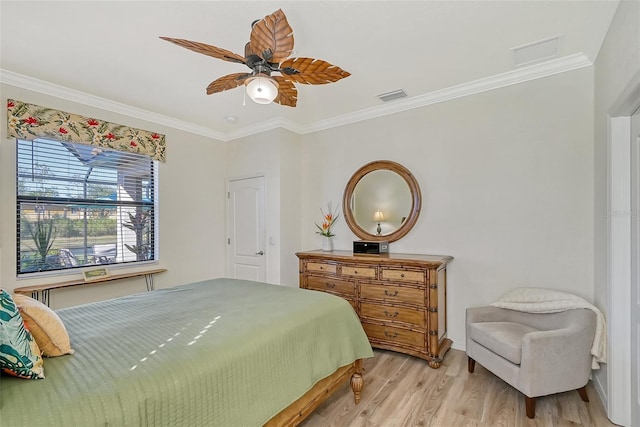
45 326
528 295
538 300
19 352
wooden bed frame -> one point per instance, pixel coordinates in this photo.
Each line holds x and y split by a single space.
295 413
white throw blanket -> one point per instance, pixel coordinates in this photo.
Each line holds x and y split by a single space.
536 300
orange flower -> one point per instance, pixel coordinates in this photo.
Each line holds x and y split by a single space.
328 220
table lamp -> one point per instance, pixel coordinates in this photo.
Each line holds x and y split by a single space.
378 216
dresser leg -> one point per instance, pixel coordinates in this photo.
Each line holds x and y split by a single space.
442 349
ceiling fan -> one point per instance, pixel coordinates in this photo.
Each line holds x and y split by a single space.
267 52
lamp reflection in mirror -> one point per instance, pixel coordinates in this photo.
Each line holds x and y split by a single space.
378 217
262 89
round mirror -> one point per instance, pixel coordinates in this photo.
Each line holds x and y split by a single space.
381 201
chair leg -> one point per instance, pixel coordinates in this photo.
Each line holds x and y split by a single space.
471 364
583 394
530 403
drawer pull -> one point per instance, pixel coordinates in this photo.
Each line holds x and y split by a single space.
330 285
321 268
386 313
389 294
390 335
402 275
355 271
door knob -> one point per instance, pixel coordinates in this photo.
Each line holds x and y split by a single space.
260 253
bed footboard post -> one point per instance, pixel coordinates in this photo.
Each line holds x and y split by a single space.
357 381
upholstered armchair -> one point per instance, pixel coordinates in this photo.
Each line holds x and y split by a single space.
538 354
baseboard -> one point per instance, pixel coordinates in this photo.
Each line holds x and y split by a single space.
601 390
460 347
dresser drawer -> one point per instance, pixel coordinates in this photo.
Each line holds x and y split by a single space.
331 284
400 275
393 335
393 314
321 267
358 271
393 293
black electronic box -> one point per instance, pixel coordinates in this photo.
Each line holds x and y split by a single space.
365 247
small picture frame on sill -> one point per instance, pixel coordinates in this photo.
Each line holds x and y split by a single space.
95 274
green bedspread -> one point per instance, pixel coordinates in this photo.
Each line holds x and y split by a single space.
215 353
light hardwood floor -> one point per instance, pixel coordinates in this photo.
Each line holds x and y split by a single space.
401 390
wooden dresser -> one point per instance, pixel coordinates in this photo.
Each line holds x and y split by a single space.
400 298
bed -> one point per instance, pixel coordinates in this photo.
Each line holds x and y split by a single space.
220 352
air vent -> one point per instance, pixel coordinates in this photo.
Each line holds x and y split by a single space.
394 94
536 52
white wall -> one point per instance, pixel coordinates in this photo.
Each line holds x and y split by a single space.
274 154
507 184
291 213
191 204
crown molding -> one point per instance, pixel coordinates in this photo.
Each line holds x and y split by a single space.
278 122
497 81
520 75
68 94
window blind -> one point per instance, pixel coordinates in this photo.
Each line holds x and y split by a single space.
80 205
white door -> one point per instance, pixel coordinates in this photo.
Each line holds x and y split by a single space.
245 229
635 268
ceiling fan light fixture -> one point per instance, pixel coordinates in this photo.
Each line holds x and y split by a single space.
262 89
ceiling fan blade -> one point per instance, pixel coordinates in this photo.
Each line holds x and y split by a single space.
311 71
247 50
205 49
227 82
287 92
272 37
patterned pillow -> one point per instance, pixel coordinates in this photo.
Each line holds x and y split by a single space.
45 326
19 353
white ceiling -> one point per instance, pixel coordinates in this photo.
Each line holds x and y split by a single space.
109 53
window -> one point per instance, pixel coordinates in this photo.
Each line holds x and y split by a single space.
81 205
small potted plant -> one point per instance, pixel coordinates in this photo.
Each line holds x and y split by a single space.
328 219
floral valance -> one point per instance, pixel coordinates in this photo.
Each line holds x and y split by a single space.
28 121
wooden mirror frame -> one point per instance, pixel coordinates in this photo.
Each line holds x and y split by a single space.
416 201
